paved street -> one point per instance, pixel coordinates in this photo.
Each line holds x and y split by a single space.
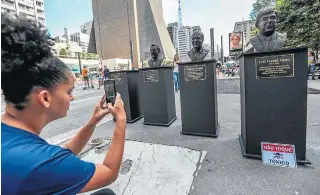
159 160
82 107
80 111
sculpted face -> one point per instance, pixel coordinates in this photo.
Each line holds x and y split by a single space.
268 23
197 41
154 51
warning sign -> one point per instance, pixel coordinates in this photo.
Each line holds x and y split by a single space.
281 155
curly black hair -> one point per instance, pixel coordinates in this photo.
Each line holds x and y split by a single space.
27 60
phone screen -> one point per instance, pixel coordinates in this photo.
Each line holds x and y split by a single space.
110 90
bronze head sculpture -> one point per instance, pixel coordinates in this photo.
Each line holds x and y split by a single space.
197 53
268 38
156 57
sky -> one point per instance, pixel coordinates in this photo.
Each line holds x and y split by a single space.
218 14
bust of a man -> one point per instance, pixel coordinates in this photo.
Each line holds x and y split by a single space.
197 53
267 39
156 58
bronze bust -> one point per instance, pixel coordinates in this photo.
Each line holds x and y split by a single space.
197 53
267 39
156 57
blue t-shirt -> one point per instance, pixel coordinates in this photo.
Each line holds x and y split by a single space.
29 165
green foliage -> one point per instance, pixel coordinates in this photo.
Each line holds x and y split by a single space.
167 62
254 31
301 21
63 52
257 6
88 55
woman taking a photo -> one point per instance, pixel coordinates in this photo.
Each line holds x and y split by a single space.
42 94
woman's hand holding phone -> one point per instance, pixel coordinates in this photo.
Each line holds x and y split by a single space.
117 110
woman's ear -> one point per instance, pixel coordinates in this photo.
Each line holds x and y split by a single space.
44 98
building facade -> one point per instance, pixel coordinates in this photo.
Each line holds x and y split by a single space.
173 33
116 23
82 40
184 42
245 27
27 9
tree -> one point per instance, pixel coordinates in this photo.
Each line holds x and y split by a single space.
63 52
300 19
259 5
253 31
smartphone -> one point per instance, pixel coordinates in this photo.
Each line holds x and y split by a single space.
110 90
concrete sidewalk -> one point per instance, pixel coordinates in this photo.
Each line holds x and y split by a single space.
314 84
159 160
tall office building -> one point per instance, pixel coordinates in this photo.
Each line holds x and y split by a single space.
28 9
245 27
116 23
184 42
173 33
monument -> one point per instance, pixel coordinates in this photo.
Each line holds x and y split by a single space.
197 53
127 84
156 57
273 84
156 89
198 91
119 25
267 39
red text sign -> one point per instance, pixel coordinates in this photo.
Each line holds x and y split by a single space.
277 148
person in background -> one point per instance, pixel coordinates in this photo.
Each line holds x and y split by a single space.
176 60
224 69
312 62
85 76
237 72
100 76
91 77
42 94
106 72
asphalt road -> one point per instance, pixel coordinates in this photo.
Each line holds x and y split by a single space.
80 111
81 108
223 169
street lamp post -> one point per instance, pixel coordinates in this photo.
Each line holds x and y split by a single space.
79 56
130 40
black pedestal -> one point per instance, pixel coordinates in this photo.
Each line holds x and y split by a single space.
274 100
127 84
198 97
157 96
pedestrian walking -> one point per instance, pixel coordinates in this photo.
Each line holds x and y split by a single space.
106 72
85 76
312 62
176 60
100 77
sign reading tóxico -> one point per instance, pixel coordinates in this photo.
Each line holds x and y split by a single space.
281 155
